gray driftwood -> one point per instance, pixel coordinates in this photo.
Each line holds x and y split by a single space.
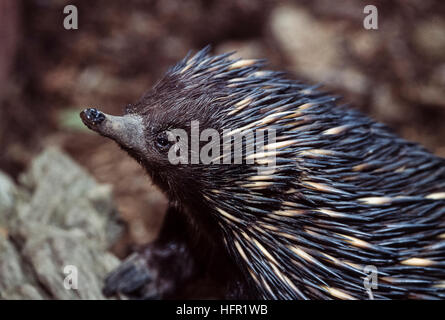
57 215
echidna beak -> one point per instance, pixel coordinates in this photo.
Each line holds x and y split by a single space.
126 130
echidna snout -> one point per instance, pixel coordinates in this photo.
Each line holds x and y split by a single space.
126 130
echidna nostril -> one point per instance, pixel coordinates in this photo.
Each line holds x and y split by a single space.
94 115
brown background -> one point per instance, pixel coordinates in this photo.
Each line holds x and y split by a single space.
48 74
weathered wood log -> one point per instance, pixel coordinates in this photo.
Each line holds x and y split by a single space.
57 216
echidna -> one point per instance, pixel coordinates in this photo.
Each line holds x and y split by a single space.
344 192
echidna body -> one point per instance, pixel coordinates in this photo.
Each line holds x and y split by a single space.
345 192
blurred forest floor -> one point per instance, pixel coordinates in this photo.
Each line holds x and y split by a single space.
48 74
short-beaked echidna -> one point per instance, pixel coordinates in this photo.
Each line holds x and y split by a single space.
344 192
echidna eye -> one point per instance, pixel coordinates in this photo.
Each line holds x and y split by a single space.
162 140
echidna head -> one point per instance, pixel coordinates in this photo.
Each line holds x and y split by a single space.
150 130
